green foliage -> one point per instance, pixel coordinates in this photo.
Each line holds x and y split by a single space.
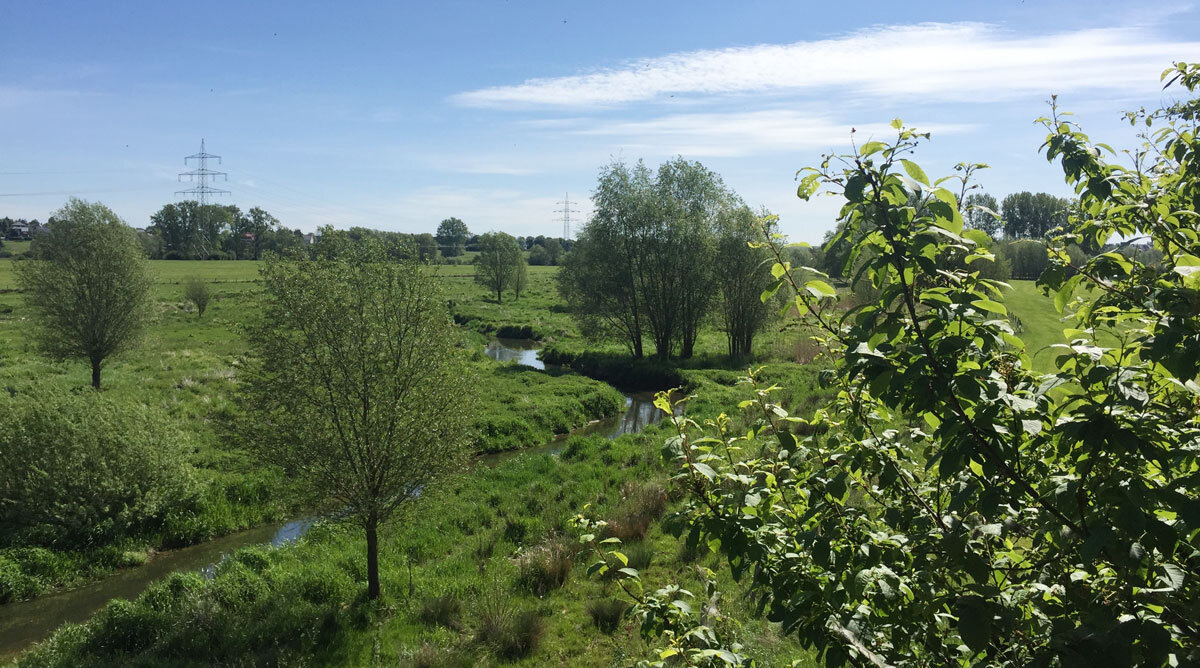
500 265
84 470
364 350
452 236
744 274
1032 216
645 263
983 213
195 290
952 506
88 288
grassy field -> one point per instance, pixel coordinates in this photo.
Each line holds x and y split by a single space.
304 604
186 368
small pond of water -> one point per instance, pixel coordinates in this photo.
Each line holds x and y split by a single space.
521 351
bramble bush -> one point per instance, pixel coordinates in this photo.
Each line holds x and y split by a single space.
951 506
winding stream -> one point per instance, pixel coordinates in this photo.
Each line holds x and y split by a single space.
25 623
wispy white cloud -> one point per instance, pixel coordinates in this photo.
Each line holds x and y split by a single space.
745 133
932 61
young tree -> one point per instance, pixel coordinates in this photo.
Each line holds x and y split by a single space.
88 285
195 290
498 263
520 276
452 236
356 385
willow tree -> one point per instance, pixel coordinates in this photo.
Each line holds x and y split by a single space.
87 286
357 388
744 274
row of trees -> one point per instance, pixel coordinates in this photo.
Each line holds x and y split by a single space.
1022 215
660 250
191 231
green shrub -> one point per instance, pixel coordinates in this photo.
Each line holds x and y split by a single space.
82 469
606 613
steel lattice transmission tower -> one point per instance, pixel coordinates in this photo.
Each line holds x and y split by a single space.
201 176
566 212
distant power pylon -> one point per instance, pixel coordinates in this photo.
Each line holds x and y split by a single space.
566 212
201 191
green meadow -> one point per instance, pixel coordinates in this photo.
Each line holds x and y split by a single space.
486 552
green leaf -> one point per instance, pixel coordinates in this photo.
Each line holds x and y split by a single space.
705 470
820 289
974 622
1173 576
808 186
989 305
769 292
871 148
914 170
897 123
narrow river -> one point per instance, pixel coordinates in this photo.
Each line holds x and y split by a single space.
25 623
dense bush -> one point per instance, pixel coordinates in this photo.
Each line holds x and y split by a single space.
82 470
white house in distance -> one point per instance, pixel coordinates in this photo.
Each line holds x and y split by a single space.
19 230
312 238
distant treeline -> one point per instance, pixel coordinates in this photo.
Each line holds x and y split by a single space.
191 231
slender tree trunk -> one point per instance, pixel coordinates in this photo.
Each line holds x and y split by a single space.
372 560
499 297
96 374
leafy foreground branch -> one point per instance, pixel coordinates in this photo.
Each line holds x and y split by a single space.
951 506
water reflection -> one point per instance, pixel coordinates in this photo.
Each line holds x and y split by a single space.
521 351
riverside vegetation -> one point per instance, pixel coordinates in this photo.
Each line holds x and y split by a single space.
768 539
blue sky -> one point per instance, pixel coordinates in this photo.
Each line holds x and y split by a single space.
397 115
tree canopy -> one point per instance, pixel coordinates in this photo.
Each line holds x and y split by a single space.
452 235
356 386
500 265
88 285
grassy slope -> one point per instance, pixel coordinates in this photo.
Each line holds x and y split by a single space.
1042 325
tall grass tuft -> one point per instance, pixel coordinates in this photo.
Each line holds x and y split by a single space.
606 613
443 610
545 567
509 633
